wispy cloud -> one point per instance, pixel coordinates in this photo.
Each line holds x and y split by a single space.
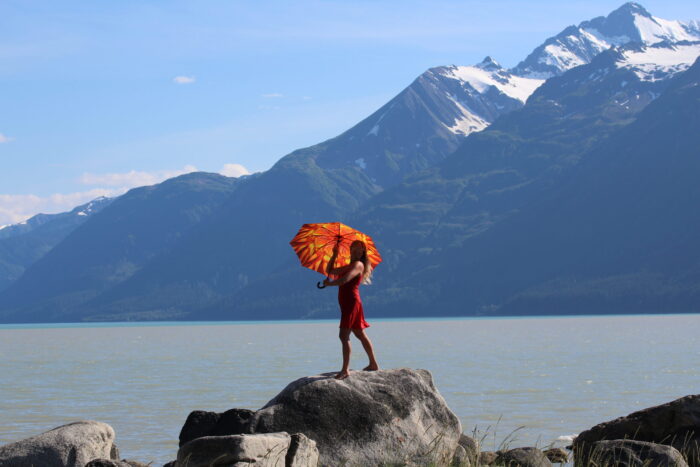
18 208
234 170
5 139
273 95
184 79
133 178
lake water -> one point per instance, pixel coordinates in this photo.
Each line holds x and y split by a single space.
553 376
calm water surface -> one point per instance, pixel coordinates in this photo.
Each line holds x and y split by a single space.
553 376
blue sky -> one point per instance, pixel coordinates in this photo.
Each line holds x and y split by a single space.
99 96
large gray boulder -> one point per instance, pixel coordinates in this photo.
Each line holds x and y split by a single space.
260 450
72 445
628 453
370 418
676 424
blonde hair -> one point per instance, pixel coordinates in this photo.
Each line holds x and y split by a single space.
367 273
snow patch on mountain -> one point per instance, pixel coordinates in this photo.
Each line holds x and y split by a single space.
469 122
659 61
482 80
652 30
560 57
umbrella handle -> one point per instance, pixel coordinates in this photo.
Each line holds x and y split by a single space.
320 285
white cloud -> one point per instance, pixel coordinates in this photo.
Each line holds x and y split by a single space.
133 178
272 95
184 79
234 170
18 208
5 139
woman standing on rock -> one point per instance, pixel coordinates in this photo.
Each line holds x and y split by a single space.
352 317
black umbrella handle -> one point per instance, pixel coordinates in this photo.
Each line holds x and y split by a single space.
320 285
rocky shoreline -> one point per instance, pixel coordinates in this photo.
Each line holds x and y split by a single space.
389 417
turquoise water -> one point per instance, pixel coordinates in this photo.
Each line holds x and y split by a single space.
552 376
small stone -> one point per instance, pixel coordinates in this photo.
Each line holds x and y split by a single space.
523 457
471 448
459 459
557 455
487 457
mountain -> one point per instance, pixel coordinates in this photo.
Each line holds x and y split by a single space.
424 122
24 243
618 236
425 224
577 45
114 243
415 130
459 153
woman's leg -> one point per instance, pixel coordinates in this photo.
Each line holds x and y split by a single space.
367 344
344 336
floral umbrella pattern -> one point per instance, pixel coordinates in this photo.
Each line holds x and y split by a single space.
314 245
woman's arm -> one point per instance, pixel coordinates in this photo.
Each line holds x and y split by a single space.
339 271
330 271
353 270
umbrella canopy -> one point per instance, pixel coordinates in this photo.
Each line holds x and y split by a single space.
314 245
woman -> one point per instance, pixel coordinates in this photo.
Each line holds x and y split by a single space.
352 317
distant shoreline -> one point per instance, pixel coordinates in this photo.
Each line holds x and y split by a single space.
110 324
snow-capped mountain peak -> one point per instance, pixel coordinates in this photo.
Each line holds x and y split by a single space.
489 64
577 45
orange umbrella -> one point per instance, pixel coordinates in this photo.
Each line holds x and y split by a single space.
314 244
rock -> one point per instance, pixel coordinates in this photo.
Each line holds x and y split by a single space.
115 463
628 453
131 463
106 463
471 448
114 452
259 450
170 464
523 457
487 457
370 418
201 423
459 458
557 455
302 452
70 445
676 424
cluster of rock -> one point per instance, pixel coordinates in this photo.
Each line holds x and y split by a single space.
665 435
388 417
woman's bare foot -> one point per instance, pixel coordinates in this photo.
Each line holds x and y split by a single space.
374 367
342 374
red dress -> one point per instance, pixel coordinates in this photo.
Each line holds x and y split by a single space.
352 315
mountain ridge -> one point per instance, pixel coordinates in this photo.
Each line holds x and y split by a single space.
430 171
